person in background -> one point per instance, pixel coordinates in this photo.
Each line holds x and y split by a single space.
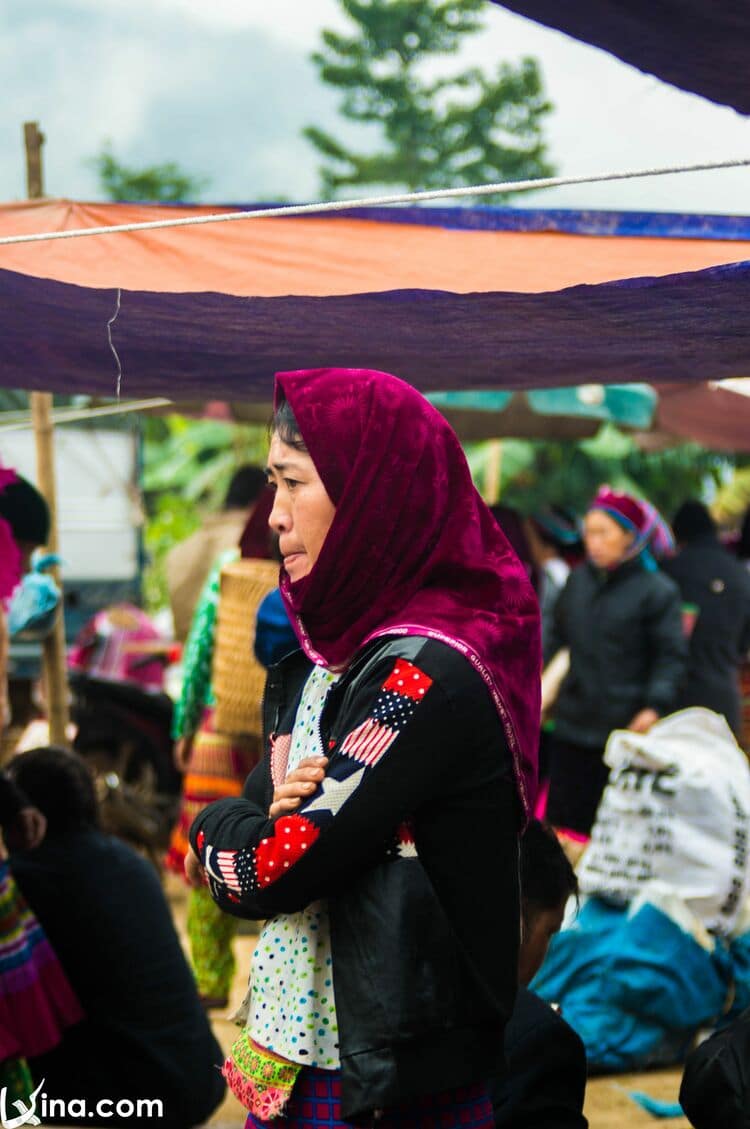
189 563
274 634
24 526
513 526
544 1084
621 619
145 1034
37 1003
715 590
551 533
215 765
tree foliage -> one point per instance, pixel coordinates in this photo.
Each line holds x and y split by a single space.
541 473
467 128
166 183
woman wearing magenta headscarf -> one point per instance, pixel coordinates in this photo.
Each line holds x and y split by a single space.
379 835
621 620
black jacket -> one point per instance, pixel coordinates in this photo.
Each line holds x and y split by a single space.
719 586
545 1083
425 949
627 649
715 1090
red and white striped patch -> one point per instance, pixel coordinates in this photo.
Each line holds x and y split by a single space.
368 742
280 748
225 860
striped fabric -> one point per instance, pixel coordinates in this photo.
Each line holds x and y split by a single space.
218 768
316 1104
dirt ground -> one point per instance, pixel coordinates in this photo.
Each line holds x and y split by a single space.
607 1103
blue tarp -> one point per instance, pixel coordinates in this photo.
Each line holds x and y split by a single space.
679 328
698 45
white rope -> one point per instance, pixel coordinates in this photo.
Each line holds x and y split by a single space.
375 201
115 354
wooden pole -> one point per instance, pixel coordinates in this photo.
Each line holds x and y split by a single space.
33 140
55 678
493 474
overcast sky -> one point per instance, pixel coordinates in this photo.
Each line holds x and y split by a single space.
225 86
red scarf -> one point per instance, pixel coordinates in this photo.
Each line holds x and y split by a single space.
412 549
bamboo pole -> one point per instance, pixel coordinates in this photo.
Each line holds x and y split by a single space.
54 666
493 476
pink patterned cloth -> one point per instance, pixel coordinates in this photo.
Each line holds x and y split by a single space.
114 644
10 554
37 1003
413 549
10 563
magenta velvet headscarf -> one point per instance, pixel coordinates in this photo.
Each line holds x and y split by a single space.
413 549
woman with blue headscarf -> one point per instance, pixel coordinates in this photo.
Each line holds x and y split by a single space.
620 618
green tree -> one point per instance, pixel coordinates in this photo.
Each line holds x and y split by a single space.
468 128
541 473
167 182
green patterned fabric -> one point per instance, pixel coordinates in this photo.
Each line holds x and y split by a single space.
198 656
211 933
15 1077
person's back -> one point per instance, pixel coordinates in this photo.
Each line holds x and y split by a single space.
544 1083
145 1034
190 561
715 590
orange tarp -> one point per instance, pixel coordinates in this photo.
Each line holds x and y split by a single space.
331 256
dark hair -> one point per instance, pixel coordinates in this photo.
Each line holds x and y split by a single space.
60 784
547 878
245 488
557 526
285 424
26 512
691 521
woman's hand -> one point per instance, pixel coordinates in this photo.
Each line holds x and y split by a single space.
298 786
643 721
194 870
182 752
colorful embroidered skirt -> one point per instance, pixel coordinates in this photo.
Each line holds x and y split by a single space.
36 1000
218 768
316 1104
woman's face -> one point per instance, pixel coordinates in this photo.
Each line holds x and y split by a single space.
606 541
302 511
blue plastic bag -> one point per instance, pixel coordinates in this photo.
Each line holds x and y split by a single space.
34 604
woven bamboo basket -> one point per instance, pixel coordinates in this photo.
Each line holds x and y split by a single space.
238 678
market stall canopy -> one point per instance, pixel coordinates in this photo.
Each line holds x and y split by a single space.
717 417
698 45
548 413
447 298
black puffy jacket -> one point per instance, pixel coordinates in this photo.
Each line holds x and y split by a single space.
627 649
425 945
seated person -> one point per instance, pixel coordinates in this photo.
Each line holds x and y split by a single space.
145 1034
545 1080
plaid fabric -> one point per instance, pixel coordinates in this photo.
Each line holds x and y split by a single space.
316 1104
